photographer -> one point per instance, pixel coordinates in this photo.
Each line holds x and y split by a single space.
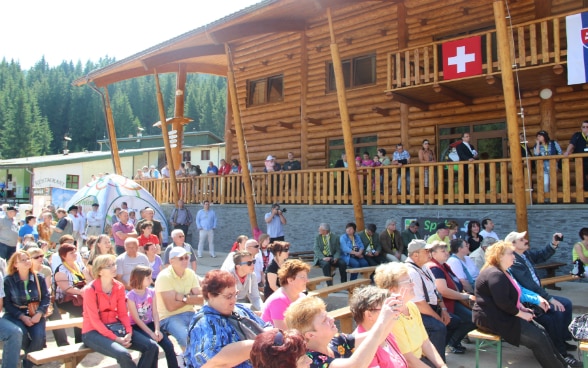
275 221
327 253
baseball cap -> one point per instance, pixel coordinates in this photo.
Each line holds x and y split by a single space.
95 205
11 208
270 157
511 237
72 208
414 223
418 244
441 225
177 252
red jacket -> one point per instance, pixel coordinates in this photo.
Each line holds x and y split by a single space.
225 169
101 308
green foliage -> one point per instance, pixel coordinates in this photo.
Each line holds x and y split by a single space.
40 106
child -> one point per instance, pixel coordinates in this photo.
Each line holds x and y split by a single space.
147 236
143 312
377 161
132 218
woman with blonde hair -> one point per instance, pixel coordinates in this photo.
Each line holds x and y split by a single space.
498 308
102 246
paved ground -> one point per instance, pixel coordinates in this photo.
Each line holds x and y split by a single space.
512 356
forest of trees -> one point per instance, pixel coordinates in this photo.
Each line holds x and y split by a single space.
38 107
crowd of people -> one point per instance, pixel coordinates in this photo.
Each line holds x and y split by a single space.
136 293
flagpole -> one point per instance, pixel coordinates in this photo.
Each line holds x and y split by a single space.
505 59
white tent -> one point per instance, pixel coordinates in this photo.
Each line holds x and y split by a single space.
110 191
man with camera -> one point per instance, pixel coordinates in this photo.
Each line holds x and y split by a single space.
275 221
327 253
555 316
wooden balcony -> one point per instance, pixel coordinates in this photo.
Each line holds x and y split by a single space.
489 182
414 75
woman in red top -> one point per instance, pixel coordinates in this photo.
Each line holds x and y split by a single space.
224 168
107 327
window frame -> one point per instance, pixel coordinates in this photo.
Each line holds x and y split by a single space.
267 97
358 146
70 183
205 155
351 75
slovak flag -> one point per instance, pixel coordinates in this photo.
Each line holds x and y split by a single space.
462 58
577 34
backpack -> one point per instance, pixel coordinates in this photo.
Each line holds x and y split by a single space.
579 327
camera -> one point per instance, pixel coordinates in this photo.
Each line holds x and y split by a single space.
559 238
283 210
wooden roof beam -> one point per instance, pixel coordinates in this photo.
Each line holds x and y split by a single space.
381 111
285 124
182 54
439 88
408 101
313 121
257 27
260 128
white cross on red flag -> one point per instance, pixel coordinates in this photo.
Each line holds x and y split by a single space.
462 58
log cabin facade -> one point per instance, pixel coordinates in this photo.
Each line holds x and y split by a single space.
282 68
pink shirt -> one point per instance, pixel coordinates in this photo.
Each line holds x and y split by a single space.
274 307
388 356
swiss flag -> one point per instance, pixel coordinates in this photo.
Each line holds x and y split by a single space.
462 58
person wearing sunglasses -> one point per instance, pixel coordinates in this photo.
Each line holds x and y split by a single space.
276 349
177 290
221 334
245 279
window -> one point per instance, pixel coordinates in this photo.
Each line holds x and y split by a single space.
360 144
265 90
205 155
488 138
357 72
72 181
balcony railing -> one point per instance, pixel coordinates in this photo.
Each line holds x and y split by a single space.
489 181
535 43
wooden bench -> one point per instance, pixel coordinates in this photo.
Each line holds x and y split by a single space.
64 323
343 315
550 269
364 271
349 286
584 350
487 339
549 282
305 256
70 355
311 284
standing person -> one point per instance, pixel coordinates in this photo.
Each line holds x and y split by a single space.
498 309
275 221
393 249
371 241
474 238
271 165
45 228
385 160
546 147
352 249
177 291
579 144
235 167
411 233
488 229
64 226
94 221
165 171
23 287
181 218
8 233
225 168
466 152
107 326
206 222
72 213
10 335
143 312
401 157
28 228
122 230
426 155
327 253
342 162
148 215
291 164
211 169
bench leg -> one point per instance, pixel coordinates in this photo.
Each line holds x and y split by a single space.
585 358
495 344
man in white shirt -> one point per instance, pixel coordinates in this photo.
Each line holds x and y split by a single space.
78 226
94 221
488 231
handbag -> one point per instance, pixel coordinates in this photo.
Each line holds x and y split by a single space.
537 310
578 269
246 328
33 306
117 328
579 327
75 299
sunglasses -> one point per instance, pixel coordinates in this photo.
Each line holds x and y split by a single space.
248 263
253 246
38 257
286 250
184 258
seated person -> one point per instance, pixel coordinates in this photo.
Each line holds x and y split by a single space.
325 346
293 276
216 339
327 253
409 331
352 249
245 279
371 241
276 349
366 304
462 265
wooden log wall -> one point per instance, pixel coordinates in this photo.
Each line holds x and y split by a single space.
372 28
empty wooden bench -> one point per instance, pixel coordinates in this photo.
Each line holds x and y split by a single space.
550 269
549 282
484 339
349 286
70 355
343 315
311 284
64 323
365 272
305 256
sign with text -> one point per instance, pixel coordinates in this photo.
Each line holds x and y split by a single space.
428 225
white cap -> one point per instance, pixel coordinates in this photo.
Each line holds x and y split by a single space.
270 157
177 252
515 236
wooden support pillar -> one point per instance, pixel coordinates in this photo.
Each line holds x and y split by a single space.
165 135
518 178
303 104
112 134
228 131
346 127
232 87
177 125
404 126
547 108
